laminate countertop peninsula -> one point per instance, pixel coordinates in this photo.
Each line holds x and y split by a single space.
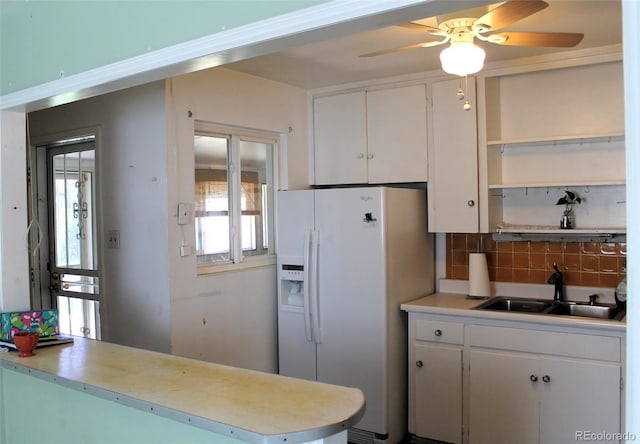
238 403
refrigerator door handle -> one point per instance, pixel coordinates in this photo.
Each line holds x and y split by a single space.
313 284
305 292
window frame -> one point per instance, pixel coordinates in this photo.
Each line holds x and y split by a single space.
238 260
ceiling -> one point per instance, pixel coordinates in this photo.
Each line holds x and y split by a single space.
336 61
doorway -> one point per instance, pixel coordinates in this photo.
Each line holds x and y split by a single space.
65 246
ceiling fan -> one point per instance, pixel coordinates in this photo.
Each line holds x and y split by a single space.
463 56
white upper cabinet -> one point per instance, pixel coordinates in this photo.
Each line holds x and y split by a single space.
397 135
340 139
533 132
453 151
371 137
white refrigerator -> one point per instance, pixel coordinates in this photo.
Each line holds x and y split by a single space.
347 259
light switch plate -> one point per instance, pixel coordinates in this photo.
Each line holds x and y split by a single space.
113 239
184 213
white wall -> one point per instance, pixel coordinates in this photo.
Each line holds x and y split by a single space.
229 318
132 164
14 262
631 39
152 297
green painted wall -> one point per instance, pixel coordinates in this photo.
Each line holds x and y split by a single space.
39 39
33 411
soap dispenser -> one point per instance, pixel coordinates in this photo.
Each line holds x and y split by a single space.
621 291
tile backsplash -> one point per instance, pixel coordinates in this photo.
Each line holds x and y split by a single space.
592 264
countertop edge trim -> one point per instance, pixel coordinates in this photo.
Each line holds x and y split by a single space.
188 419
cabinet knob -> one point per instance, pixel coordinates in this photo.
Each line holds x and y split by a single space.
546 378
360 156
471 203
533 378
369 156
419 364
438 332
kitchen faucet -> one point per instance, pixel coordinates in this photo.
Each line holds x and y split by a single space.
557 280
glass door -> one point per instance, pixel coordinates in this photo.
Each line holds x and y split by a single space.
73 252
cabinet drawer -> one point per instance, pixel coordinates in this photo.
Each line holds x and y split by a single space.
574 345
439 331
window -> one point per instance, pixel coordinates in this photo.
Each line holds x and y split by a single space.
233 206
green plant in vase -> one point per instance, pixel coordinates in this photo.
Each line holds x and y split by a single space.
569 200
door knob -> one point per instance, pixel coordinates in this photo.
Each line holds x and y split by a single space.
533 378
438 332
471 203
546 378
419 364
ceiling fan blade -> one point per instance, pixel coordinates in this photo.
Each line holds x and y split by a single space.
508 13
404 48
421 28
546 39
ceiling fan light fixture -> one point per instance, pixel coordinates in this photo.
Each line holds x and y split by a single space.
462 58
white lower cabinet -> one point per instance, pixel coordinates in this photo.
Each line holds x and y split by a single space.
438 394
580 397
524 398
479 382
435 379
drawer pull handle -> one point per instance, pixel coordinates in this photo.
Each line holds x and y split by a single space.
438 332
546 378
533 378
419 364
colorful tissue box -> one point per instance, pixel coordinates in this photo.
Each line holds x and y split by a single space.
43 322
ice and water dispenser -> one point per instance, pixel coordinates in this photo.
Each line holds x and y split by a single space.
292 282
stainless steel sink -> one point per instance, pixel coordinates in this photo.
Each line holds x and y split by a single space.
599 311
522 305
550 307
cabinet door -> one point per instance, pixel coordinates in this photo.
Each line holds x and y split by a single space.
397 135
453 158
503 398
578 397
438 392
340 139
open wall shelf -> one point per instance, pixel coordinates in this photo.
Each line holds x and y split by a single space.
559 140
560 184
550 131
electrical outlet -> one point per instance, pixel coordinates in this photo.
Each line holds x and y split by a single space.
113 239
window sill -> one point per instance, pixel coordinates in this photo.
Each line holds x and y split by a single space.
248 264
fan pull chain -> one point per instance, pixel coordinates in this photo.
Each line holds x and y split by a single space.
460 92
461 95
467 105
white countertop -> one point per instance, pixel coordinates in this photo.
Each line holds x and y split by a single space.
458 304
249 405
